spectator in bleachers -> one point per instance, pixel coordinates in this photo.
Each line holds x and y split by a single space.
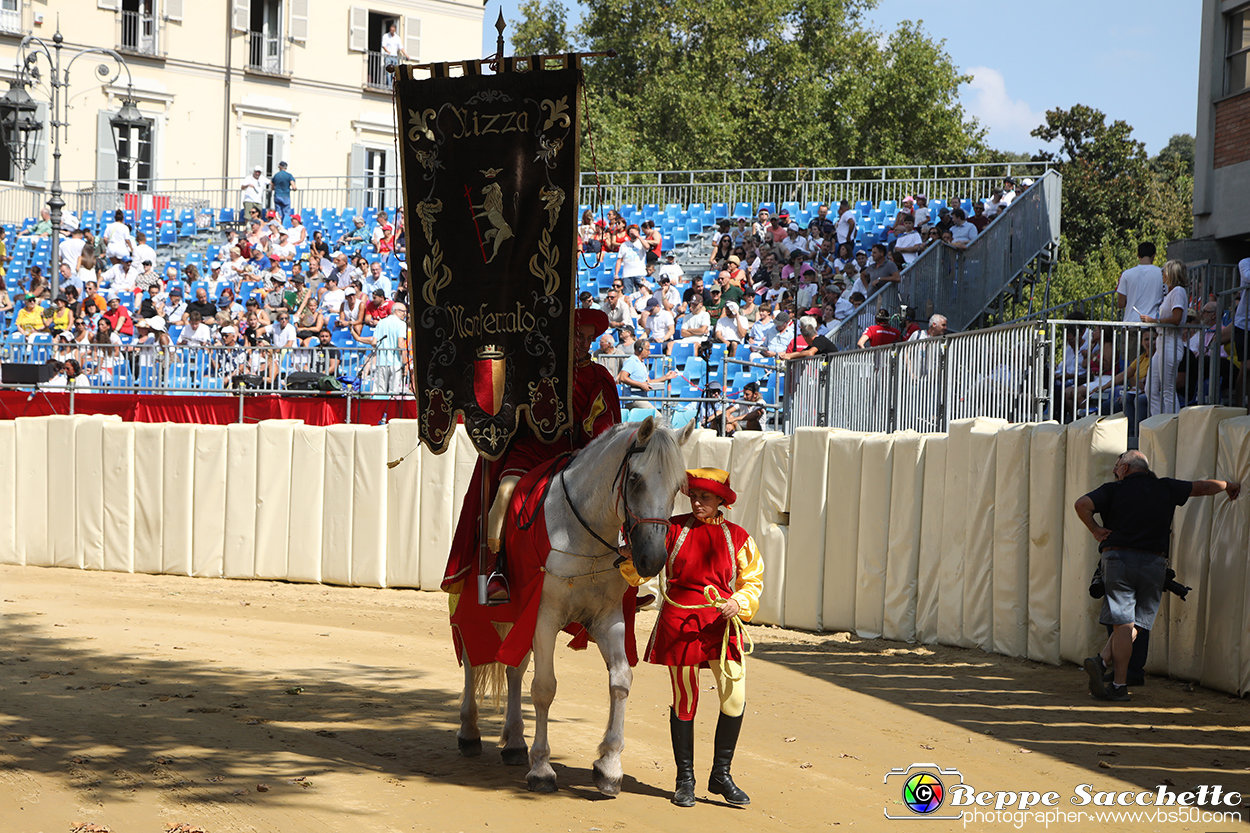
844 304
400 296
619 311
153 345
38 285
777 339
227 303
627 336
996 204
379 229
376 309
316 277
731 327
729 291
920 215
353 238
6 308
881 271
318 249
283 184
68 278
1169 347
176 308
806 287
794 242
153 304
235 268
229 358
757 337
1009 191
720 254
119 317
253 188
634 373
71 247
325 356
750 257
697 324
330 298
43 228
342 273
828 319
257 264
653 238
142 251
386 243
585 300
309 323
59 318
740 233
696 288
282 331
118 244
377 280
846 227
761 228
816 344
936 329
962 232
1140 288
206 308
295 295
147 277
105 344
737 275
353 306
30 317
69 344
880 333
93 303
748 309
978 218
909 243
660 325
275 298
778 231
283 250
670 269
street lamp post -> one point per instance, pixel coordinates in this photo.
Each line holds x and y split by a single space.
21 130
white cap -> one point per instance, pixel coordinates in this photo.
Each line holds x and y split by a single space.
732 306
154 323
225 330
257 168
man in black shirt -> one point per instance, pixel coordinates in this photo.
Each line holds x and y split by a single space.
1136 513
206 308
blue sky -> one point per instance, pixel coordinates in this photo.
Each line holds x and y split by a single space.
1027 58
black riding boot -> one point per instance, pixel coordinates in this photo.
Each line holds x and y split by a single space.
721 783
683 754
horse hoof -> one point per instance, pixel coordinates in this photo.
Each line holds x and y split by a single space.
470 747
541 783
518 756
606 784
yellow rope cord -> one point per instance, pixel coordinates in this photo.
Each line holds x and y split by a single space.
714 599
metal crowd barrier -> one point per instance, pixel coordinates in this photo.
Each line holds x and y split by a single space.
138 368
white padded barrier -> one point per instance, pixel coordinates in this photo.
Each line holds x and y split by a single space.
149 496
805 573
746 463
403 502
88 485
932 522
1157 440
239 550
31 500
369 507
1225 663
308 496
716 452
1197 440
211 474
903 555
1011 540
9 486
438 517
845 472
1048 452
336 521
117 441
62 496
978 627
950 622
875 485
178 498
1094 444
773 536
691 449
274 445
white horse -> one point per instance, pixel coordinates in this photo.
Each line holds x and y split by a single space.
627 477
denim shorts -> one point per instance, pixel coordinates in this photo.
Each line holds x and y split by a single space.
1134 581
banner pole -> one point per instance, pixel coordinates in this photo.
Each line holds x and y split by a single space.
484 568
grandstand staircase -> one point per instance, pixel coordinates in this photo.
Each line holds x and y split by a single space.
972 286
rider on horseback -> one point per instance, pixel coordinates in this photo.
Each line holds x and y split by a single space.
713 583
595 408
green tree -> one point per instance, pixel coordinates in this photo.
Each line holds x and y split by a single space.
541 30
1106 180
708 84
1176 156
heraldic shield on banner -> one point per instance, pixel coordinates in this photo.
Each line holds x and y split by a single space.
490 171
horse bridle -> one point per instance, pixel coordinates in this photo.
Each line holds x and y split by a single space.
632 520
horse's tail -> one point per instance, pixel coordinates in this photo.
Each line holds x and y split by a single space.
490 680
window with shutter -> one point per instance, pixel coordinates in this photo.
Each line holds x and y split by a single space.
299 21
358 29
241 15
412 38
173 10
111 5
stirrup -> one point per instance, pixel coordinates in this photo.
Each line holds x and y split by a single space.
497 592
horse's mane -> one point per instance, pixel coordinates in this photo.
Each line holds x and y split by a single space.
662 454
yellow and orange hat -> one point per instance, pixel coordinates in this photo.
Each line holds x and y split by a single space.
715 481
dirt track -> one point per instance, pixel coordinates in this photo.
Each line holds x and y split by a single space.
139 702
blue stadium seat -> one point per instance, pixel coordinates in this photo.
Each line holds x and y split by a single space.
742 209
813 206
863 208
695 368
226 216
169 234
672 211
638 414
888 207
935 208
790 207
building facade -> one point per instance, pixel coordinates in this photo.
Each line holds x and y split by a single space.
226 85
1222 150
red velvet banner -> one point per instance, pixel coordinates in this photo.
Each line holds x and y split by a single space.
207 410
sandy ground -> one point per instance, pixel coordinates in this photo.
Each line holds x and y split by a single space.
144 702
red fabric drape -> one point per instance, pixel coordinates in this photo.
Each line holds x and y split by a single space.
207 410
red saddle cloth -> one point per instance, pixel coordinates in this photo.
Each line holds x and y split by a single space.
473 625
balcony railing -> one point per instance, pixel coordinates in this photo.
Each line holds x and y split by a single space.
266 54
11 21
376 76
138 33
